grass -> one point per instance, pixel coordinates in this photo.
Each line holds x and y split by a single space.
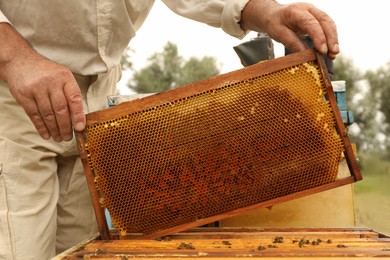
372 194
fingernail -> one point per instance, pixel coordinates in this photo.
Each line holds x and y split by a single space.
79 126
332 56
68 138
336 48
58 139
45 136
324 48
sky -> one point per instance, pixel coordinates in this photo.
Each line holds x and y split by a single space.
361 25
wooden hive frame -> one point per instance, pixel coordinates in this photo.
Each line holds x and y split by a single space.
208 86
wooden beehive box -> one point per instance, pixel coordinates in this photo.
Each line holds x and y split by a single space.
240 243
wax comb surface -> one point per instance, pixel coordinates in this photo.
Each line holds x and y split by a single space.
210 149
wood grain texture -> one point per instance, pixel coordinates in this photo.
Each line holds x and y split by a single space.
341 129
202 86
194 89
242 243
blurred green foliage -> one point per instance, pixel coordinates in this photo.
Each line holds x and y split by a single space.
167 70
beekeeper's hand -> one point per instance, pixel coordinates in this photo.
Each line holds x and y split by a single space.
46 90
286 23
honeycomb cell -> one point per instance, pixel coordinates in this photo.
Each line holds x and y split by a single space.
213 152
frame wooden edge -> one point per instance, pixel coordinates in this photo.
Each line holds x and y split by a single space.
251 71
259 69
340 127
218 232
236 212
99 210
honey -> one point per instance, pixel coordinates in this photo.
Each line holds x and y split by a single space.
231 145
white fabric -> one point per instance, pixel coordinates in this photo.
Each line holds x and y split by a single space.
90 36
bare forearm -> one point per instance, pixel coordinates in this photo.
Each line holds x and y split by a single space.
256 15
13 49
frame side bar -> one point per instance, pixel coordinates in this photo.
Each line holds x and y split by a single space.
342 131
99 210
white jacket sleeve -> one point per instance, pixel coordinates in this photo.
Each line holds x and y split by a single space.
225 14
3 19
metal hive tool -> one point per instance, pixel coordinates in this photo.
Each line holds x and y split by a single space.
251 138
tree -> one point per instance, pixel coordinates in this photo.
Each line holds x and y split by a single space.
344 69
368 96
380 91
380 84
196 69
167 70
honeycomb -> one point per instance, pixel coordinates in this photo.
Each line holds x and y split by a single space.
236 145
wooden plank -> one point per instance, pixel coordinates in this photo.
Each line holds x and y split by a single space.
243 244
99 210
342 131
229 233
199 87
311 243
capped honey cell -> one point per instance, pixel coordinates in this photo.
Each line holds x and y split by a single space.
239 143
